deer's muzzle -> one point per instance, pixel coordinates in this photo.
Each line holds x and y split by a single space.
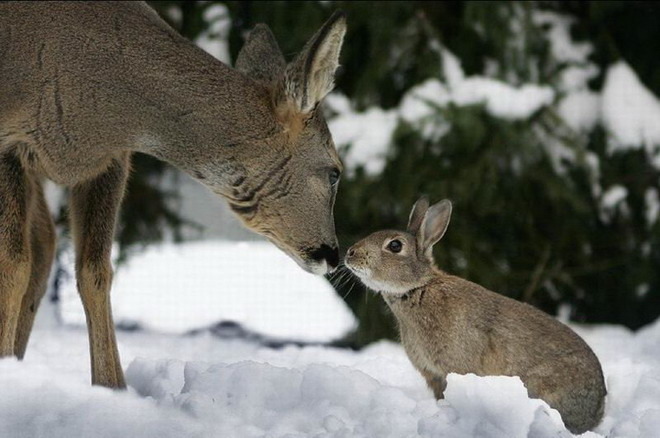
327 253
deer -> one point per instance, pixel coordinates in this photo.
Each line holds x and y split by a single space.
84 85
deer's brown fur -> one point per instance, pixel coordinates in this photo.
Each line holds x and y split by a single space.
85 84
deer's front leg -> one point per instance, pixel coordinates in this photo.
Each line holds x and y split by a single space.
42 244
15 254
94 206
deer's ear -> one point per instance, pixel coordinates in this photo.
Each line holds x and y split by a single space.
261 57
310 76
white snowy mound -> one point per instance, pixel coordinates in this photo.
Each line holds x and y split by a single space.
201 386
323 400
177 288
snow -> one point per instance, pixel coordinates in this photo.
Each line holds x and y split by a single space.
368 133
422 101
562 46
451 68
214 39
202 386
652 202
625 107
419 108
592 164
612 200
580 110
199 385
176 288
501 100
558 152
174 14
577 77
630 111
614 196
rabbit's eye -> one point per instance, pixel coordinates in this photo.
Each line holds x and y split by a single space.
395 246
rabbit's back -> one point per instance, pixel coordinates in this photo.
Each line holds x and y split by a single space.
453 325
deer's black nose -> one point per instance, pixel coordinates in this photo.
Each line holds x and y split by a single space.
327 253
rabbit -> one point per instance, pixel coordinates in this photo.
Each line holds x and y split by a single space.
451 325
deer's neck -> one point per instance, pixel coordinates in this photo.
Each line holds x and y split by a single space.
200 109
193 109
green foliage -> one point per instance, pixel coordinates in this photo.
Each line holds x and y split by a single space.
522 226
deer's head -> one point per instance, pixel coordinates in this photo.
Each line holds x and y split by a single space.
286 190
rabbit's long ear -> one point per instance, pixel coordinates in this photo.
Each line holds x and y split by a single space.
434 225
417 214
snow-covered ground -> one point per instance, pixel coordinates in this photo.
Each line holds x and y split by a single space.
202 386
176 288
184 385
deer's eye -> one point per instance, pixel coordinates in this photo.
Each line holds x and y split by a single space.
395 246
334 176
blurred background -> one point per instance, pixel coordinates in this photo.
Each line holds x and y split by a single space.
539 120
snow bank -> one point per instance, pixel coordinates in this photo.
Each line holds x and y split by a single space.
179 287
200 386
337 401
39 404
492 407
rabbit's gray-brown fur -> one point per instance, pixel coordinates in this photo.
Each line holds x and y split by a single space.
448 324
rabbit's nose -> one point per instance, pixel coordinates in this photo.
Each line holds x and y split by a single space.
350 252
